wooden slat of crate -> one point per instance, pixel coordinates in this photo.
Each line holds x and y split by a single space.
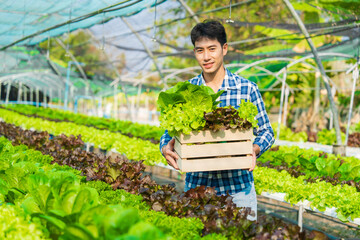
210 136
213 164
213 150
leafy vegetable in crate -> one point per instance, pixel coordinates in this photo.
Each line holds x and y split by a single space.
224 118
182 107
187 107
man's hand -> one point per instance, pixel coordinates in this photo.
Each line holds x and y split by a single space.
256 151
169 154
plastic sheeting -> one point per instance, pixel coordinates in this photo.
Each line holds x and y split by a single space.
25 17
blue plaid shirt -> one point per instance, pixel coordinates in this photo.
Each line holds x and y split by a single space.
232 181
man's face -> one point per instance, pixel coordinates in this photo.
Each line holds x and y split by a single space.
210 54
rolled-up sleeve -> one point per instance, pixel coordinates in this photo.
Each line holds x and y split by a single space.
165 138
264 133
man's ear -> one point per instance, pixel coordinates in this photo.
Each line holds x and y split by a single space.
225 49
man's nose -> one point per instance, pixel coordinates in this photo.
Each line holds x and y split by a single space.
206 55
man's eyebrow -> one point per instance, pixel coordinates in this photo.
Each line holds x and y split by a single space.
206 47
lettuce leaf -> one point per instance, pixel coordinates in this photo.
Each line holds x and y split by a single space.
182 107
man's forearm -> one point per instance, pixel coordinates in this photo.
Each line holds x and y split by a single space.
256 149
165 138
264 139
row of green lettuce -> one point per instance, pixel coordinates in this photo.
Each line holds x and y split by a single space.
325 136
326 180
113 125
137 149
39 200
314 163
134 148
320 194
317 193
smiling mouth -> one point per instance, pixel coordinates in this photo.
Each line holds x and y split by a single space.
208 65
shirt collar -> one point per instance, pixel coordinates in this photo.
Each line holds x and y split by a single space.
230 82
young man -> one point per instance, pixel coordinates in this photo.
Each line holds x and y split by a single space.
210 47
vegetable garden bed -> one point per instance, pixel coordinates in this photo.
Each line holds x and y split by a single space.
210 210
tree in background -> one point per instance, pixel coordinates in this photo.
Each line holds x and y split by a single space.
81 46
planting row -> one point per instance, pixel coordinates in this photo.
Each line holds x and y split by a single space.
320 194
325 136
153 133
326 201
313 165
51 201
128 128
134 148
323 179
217 213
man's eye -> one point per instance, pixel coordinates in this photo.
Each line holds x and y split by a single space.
199 51
212 49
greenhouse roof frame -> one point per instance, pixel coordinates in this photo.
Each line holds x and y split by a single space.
49 19
255 64
23 77
72 20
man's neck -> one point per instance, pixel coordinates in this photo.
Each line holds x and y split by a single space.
214 80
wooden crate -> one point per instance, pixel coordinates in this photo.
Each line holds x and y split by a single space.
209 151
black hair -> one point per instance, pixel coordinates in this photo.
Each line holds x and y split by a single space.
211 29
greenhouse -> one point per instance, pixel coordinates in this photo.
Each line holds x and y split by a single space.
177 119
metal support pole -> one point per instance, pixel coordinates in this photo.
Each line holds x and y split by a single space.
87 147
76 105
281 103
316 101
187 8
0 90
138 101
116 115
8 92
37 97
355 76
100 106
68 82
19 91
331 119
331 125
59 96
31 95
71 95
317 93
83 106
44 98
300 216
67 86
287 91
133 107
24 93
321 68
50 95
147 106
